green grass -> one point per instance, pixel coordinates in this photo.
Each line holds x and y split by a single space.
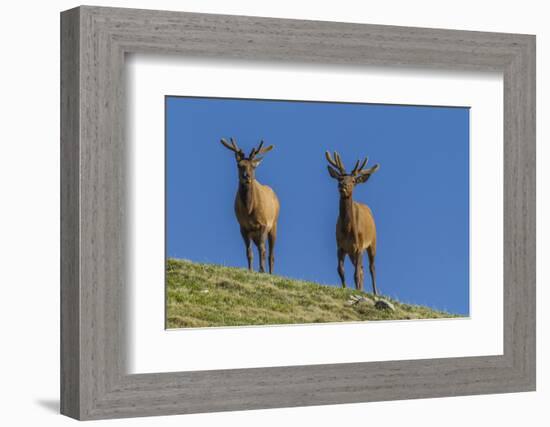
200 295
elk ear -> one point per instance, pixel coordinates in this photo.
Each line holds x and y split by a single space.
333 172
256 162
266 150
365 175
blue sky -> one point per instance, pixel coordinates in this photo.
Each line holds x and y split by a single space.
419 197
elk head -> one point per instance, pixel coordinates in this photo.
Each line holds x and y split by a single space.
246 165
346 182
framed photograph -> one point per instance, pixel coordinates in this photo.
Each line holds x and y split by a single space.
261 213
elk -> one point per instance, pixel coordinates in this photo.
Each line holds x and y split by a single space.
355 228
256 205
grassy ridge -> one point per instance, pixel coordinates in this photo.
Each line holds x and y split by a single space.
200 295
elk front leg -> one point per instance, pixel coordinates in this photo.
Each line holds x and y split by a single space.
260 243
261 250
370 252
271 237
341 271
248 246
358 263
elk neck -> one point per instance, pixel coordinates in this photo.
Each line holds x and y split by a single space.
246 194
346 213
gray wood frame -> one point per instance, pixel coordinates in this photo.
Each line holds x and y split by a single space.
94 383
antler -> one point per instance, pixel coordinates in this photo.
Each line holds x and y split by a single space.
337 163
259 150
233 146
359 168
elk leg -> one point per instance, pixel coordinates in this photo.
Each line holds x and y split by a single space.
358 263
261 251
370 252
271 237
249 252
341 271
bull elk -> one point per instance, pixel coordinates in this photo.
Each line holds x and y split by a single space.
355 228
256 205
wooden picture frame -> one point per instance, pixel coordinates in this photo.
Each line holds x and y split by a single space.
94 41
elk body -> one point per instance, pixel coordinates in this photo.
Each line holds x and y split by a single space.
355 228
256 205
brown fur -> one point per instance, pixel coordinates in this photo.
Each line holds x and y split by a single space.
355 227
256 206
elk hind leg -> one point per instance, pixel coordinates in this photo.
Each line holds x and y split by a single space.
341 271
371 253
271 238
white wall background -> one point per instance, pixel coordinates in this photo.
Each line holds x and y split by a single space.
29 218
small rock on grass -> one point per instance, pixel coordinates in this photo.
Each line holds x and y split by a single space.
382 304
356 299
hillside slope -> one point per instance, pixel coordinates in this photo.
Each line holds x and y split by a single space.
200 295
